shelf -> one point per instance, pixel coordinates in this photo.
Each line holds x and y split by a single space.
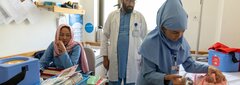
63 10
92 43
70 11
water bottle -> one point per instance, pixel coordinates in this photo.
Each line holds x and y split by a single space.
99 31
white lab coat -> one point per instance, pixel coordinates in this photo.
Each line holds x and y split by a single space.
137 31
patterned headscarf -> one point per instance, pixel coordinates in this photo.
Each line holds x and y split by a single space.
70 44
83 61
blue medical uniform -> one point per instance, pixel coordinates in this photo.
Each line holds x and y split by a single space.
62 61
160 54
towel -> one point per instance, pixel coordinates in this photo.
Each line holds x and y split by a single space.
83 61
223 48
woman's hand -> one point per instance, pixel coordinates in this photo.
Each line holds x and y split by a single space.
106 62
176 79
61 47
219 76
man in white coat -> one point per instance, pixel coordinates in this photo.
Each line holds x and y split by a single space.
123 33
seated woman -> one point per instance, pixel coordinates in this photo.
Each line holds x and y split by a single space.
64 52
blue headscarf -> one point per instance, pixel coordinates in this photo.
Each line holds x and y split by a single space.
172 16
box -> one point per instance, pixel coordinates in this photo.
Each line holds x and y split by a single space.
223 62
10 67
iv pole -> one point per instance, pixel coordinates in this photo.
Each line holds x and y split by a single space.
199 30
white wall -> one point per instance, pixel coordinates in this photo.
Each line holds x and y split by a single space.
192 7
24 37
209 24
89 6
210 20
230 32
108 8
220 22
150 16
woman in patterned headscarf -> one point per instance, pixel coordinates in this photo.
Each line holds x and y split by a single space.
64 52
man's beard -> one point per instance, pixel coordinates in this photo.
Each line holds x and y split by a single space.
128 9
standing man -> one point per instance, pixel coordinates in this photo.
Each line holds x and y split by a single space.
124 31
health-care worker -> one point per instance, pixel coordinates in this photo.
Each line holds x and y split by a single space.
123 33
165 48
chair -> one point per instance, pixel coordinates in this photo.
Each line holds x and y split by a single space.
91 59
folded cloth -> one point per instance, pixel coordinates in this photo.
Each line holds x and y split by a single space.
203 80
83 61
223 48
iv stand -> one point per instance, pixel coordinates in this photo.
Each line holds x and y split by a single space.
199 31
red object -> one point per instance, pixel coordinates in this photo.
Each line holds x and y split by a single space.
99 81
223 48
49 72
215 61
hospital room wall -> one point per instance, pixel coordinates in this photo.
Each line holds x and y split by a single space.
25 37
219 23
89 17
211 18
230 32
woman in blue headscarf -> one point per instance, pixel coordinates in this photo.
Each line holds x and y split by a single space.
165 48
